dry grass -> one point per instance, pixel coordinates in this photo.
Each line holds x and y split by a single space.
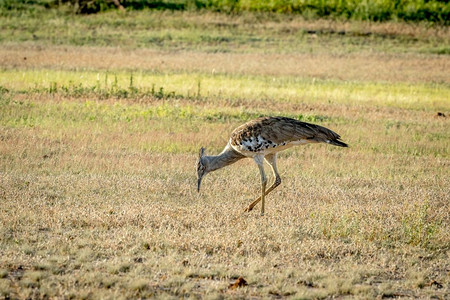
89 211
366 67
98 195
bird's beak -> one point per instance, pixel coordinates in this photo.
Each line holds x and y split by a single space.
198 184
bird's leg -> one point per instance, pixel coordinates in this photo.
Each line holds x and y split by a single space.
272 187
271 159
259 161
263 187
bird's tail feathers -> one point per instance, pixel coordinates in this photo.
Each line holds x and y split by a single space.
330 137
337 143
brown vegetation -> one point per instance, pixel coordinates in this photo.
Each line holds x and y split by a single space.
98 191
367 67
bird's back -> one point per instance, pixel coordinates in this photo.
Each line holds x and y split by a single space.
269 134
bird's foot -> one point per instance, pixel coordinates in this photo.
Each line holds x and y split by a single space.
248 209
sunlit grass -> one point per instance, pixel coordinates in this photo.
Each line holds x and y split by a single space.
430 97
97 163
109 185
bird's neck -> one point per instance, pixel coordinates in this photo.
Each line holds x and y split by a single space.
225 158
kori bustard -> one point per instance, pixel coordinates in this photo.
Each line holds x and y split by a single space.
262 139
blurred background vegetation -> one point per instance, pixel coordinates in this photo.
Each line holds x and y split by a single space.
434 11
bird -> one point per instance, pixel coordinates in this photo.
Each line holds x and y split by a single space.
261 139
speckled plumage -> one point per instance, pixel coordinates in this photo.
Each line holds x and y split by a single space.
261 139
273 134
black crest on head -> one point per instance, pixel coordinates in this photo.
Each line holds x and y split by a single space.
202 152
200 155
200 168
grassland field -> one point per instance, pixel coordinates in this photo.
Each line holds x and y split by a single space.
102 117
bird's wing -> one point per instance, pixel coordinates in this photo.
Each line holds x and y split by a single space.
280 129
246 131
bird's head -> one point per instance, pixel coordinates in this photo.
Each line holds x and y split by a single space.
202 169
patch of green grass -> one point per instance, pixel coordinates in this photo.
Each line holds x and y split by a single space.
181 30
442 50
70 114
410 10
430 97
